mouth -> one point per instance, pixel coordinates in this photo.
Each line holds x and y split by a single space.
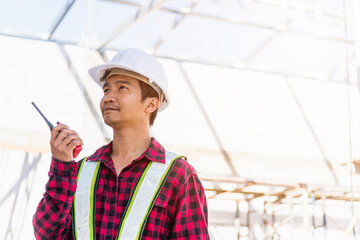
110 108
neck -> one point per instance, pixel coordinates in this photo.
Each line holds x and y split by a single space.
129 143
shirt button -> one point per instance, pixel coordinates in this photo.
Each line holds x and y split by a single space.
112 212
71 169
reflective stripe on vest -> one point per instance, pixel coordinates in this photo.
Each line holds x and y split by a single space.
84 200
140 204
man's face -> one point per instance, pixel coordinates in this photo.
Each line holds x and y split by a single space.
121 104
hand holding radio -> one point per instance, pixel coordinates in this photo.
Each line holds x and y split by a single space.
65 143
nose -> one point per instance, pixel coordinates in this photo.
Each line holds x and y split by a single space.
108 98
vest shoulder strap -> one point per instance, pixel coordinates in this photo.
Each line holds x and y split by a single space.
143 197
83 211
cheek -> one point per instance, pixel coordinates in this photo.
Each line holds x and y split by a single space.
101 103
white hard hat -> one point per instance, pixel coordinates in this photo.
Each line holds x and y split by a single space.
139 62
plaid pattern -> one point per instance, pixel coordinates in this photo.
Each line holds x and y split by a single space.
180 211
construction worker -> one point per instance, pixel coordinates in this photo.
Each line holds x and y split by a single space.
130 188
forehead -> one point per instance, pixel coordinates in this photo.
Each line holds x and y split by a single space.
121 79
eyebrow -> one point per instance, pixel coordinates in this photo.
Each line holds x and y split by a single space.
117 82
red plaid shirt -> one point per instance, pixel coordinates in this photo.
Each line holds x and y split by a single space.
180 211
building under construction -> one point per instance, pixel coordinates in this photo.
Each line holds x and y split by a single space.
264 103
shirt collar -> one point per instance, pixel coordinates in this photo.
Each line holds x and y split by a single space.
155 152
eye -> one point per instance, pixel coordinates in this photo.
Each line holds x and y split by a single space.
122 87
106 90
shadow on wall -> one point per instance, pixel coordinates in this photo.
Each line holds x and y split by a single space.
14 204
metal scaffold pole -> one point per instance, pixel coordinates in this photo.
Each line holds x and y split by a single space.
356 18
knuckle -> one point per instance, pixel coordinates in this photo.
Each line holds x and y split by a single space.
57 128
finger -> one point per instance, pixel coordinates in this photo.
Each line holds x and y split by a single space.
68 145
62 141
61 136
65 132
72 145
55 132
70 138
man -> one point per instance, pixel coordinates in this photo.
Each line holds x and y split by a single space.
130 188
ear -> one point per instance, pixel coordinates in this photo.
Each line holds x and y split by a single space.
152 103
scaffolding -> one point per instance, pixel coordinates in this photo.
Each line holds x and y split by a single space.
277 211
251 209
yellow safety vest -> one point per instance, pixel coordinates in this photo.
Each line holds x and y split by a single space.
140 204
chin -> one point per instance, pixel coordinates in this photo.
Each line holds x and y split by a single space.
108 121
111 122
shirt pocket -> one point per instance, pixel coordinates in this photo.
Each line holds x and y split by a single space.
159 219
161 208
